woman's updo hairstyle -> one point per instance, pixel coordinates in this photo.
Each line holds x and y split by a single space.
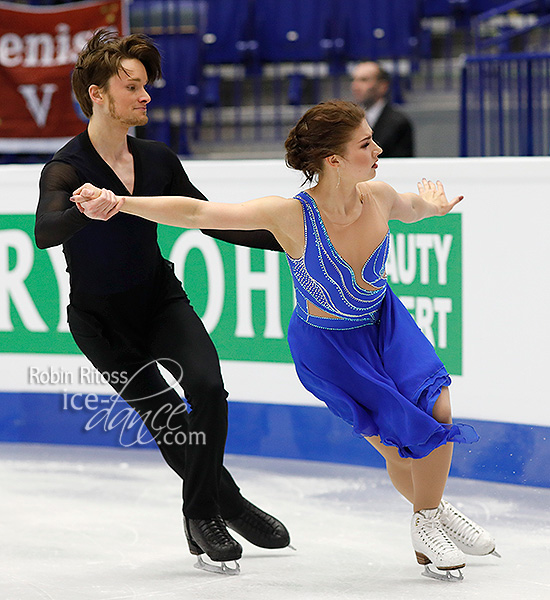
322 131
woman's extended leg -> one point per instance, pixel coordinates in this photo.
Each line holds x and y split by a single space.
430 474
421 481
399 468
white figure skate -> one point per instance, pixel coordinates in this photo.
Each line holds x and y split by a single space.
433 546
468 536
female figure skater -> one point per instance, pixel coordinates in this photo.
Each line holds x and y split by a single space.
354 344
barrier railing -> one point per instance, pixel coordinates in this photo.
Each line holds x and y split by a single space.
538 10
452 28
505 107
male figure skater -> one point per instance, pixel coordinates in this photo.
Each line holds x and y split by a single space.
127 309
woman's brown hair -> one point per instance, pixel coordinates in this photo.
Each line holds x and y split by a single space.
322 131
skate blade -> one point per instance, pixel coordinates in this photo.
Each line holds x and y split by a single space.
443 575
495 553
221 569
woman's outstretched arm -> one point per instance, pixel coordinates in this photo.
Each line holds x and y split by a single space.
181 211
430 201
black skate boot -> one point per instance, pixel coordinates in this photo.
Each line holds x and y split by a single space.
259 528
210 536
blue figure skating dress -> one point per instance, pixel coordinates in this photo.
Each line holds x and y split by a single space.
372 365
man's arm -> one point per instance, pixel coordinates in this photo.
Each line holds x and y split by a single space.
259 238
57 218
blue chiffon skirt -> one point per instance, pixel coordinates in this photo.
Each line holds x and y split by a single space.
382 379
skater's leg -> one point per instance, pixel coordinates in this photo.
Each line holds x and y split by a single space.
401 471
179 341
442 408
421 481
164 413
399 468
429 477
429 474
137 379
195 360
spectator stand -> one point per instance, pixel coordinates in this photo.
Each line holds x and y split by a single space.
506 105
507 27
505 85
177 27
265 61
241 71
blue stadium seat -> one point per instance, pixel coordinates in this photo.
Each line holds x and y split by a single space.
291 30
377 30
177 28
211 90
260 31
443 8
181 67
449 8
230 32
296 89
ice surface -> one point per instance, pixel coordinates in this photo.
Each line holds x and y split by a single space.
82 523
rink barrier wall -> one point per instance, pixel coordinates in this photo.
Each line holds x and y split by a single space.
479 289
506 452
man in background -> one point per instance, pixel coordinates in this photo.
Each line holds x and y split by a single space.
392 129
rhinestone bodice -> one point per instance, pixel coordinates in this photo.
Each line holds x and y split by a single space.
324 278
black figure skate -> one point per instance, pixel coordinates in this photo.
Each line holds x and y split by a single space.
259 528
210 537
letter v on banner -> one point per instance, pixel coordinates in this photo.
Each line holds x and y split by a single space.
39 109
38 49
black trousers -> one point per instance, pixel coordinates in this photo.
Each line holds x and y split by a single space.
126 336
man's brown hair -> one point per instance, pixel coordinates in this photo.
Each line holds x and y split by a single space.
101 58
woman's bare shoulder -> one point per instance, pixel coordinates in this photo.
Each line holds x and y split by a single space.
380 191
284 205
379 188
289 226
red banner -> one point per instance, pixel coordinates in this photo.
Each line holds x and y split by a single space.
38 50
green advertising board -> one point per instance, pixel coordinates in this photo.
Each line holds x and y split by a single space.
425 270
245 296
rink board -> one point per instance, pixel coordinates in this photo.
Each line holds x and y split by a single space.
506 452
460 277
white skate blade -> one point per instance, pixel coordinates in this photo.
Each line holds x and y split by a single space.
220 569
443 575
495 553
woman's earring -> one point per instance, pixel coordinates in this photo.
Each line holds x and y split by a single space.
338 181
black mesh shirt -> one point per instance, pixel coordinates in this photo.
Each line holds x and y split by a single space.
108 257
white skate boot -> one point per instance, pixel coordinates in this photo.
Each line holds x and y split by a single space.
433 545
468 536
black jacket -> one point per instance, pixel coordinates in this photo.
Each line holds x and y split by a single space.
393 132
